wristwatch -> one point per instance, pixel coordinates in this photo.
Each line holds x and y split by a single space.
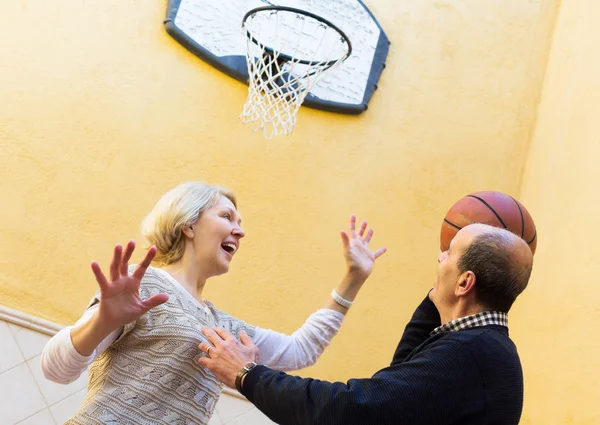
241 374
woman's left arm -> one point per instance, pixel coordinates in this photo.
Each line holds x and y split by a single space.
305 345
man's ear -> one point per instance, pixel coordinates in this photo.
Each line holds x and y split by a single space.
465 284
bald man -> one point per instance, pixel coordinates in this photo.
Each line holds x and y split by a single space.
455 363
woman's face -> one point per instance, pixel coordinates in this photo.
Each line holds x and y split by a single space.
216 237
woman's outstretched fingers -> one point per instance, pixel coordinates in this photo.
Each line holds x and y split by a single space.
368 237
126 257
155 301
116 261
379 252
345 240
100 278
361 230
140 270
352 226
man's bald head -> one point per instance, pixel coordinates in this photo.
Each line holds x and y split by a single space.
501 262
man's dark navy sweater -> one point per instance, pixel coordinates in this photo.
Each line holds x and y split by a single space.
467 377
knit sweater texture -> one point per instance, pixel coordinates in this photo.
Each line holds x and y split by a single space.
149 375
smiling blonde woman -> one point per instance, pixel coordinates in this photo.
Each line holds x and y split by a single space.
139 335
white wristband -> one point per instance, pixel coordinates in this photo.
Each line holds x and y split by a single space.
341 301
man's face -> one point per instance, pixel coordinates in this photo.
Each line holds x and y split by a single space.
448 275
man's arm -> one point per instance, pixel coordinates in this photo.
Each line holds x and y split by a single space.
425 319
434 387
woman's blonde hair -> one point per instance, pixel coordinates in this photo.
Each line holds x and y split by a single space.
179 208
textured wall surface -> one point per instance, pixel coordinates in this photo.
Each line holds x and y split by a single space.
102 112
557 320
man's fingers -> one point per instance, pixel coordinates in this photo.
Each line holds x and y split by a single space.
225 358
205 346
140 270
204 361
225 335
126 257
212 336
100 278
116 261
246 340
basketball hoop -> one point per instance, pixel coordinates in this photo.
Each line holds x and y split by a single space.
288 51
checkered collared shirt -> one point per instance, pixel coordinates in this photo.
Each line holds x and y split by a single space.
480 319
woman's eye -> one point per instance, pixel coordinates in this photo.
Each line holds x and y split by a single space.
227 216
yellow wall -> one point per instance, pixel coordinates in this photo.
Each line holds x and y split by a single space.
557 320
101 112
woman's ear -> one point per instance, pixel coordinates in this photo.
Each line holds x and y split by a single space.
189 232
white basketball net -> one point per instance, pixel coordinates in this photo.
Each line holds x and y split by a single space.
287 53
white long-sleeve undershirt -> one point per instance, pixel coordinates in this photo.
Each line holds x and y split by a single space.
62 363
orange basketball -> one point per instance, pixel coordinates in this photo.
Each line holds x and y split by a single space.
493 208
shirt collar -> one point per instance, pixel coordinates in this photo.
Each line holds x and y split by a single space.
480 319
